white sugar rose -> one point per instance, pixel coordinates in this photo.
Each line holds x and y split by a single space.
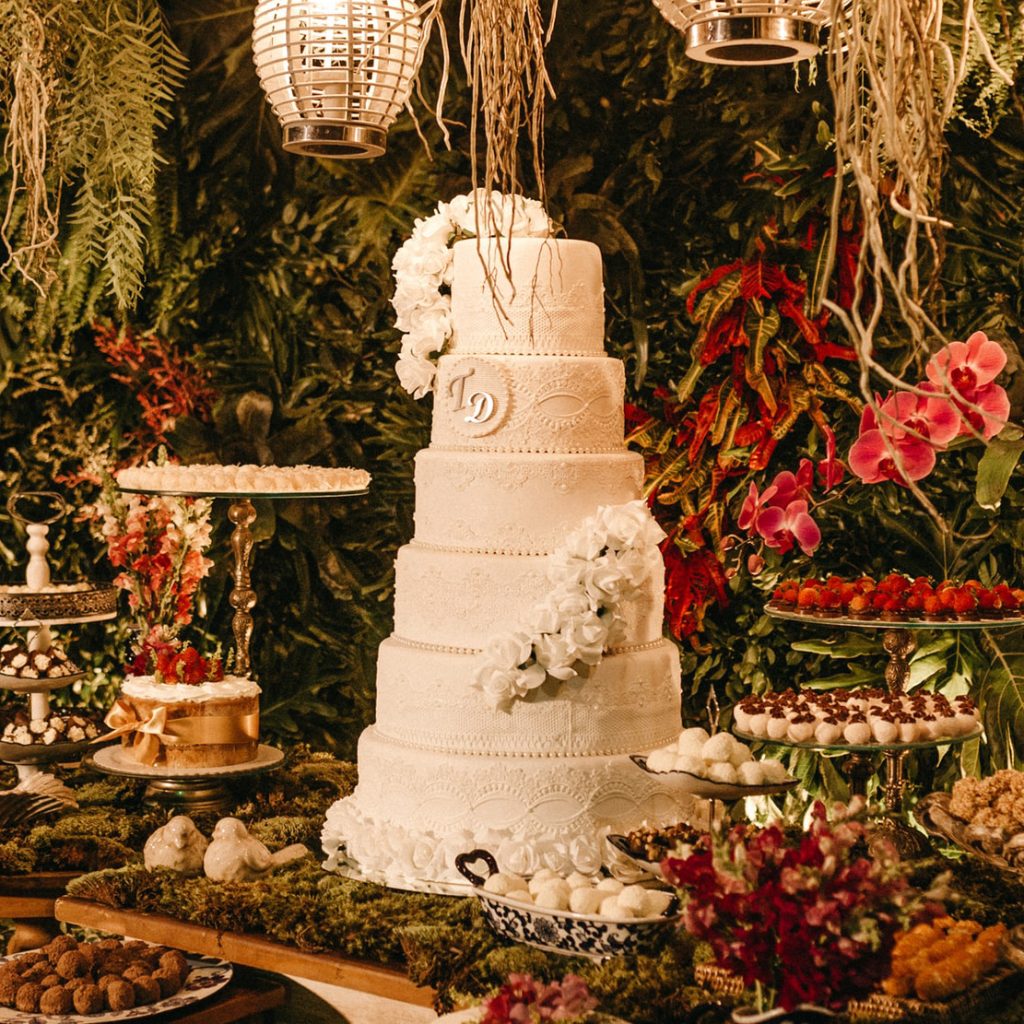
524 217
415 375
430 328
586 637
554 656
433 230
630 525
509 651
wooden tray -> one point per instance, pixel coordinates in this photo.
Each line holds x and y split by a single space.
961 1009
251 950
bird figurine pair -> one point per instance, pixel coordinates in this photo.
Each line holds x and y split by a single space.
232 856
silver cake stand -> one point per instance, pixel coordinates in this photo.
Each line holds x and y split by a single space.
186 789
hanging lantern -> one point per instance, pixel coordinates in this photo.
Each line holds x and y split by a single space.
748 32
337 72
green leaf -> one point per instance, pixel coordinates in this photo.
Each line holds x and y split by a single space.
849 646
1001 697
996 467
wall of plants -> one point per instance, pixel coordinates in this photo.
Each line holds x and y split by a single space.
216 296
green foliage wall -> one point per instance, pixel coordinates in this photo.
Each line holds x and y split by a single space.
271 272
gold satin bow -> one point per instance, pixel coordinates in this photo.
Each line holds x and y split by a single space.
157 731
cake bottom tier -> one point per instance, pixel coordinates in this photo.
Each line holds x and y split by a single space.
414 810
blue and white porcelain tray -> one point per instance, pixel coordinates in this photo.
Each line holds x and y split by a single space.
562 931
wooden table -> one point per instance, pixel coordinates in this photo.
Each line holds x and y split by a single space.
28 900
251 950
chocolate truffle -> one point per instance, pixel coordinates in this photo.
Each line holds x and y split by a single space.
52 979
107 979
9 985
28 996
72 965
56 1000
57 947
147 990
119 995
88 999
168 980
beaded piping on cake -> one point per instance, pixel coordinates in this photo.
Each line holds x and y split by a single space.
423 266
448 649
600 565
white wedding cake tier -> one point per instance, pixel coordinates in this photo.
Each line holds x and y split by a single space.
526 448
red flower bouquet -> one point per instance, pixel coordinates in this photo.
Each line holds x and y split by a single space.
171 661
804 920
521 1000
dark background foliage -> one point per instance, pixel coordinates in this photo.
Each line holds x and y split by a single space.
272 273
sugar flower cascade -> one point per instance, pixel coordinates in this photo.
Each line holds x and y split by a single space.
600 565
423 272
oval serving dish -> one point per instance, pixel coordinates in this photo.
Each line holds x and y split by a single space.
562 931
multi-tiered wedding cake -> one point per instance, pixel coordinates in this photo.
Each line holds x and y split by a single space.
484 734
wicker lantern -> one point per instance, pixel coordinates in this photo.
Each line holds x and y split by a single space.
337 72
749 32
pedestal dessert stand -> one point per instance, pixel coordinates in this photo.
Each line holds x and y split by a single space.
899 641
36 606
203 789
242 515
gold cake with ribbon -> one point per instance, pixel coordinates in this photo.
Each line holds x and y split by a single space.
187 725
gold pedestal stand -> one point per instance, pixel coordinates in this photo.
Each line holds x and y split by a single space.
899 641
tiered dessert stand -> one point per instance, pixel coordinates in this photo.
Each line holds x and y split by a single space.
36 606
201 789
899 641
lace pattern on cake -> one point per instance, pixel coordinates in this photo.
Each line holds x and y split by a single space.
628 703
527 814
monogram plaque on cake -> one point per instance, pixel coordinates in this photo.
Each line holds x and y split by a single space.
475 399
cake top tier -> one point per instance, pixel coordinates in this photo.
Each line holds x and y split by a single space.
527 296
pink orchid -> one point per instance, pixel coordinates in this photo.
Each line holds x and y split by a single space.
873 461
899 443
753 505
791 486
968 370
781 527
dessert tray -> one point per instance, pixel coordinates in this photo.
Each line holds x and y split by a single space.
934 815
821 618
657 840
866 748
697 785
562 931
57 604
207 975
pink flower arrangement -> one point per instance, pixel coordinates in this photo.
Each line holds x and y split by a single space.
803 919
960 398
522 1000
157 543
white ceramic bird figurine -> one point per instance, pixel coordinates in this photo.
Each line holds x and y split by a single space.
235 856
178 845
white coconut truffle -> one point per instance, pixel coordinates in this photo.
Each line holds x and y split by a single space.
520 896
632 898
740 754
828 733
586 901
612 885
662 760
502 884
540 877
614 910
801 732
553 896
656 902
751 774
718 748
723 773
577 880
691 738
693 765
777 728
774 771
